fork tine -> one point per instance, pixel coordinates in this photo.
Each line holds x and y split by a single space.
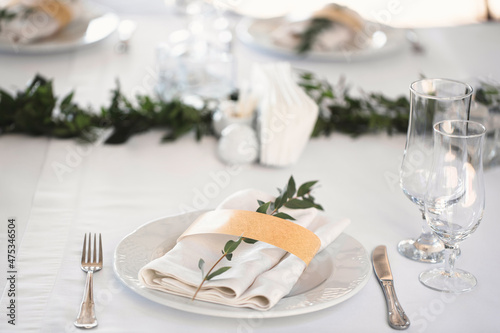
84 247
100 249
95 249
89 253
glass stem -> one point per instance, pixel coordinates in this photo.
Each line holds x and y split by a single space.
426 231
451 251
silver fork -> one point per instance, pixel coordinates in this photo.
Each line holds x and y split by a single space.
86 316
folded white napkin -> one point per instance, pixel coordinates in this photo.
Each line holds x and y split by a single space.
261 274
286 114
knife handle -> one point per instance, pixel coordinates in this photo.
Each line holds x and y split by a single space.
395 313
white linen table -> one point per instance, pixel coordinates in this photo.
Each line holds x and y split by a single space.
115 189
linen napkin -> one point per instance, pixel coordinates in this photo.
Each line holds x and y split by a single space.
346 25
261 274
36 19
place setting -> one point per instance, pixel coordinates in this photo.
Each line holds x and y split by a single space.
441 173
331 33
159 260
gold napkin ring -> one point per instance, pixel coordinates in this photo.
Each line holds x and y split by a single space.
281 233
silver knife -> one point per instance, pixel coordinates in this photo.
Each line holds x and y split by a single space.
395 313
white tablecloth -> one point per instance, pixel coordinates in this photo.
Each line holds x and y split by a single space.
115 189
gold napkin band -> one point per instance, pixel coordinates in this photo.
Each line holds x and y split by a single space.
281 233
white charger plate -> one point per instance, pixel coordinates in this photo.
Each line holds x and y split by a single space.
333 276
94 24
257 33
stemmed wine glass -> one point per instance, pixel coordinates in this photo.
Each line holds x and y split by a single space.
431 100
454 200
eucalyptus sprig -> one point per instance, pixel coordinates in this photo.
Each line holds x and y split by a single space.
6 16
288 197
307 38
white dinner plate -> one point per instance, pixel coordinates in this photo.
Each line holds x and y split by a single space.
334 275
93 25
257 33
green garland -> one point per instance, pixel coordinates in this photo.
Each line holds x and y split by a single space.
342 112
33 112
37 111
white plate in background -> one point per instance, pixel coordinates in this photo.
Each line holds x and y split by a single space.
257 33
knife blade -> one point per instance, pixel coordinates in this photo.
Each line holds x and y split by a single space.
395 313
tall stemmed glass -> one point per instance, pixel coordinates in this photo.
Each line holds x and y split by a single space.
431 100
454 201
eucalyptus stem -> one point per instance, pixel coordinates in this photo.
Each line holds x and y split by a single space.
206 276
286 198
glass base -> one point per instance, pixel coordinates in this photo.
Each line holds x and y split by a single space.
458 282
424 249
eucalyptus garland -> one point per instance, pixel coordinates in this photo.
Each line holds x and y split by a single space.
37 111
340 111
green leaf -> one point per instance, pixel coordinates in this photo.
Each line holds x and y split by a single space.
232 245
229 256
285 216
250 240
67 100
306 188
290 188
263 208
318 207
281 199
299 204
201 262
217 272
311 199
260 202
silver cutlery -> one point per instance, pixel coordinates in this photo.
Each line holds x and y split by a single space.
90 264
395 313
